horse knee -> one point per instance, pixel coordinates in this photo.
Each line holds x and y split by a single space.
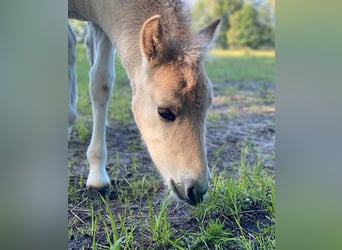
101 84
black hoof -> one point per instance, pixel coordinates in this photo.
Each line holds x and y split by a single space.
94 193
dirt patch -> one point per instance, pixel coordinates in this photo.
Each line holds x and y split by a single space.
243 116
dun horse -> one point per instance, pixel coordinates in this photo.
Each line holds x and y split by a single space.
171 92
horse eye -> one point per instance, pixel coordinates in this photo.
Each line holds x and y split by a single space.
166 114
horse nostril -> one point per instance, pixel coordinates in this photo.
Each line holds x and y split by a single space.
194 195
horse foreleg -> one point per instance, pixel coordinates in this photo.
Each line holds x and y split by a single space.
101 76
72 84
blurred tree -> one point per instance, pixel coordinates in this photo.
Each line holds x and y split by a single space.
244 31
205 11
259 28
202 13
266 24
251 27
224 9
271 5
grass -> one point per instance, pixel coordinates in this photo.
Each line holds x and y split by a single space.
242 78
238 211
240 66
241 210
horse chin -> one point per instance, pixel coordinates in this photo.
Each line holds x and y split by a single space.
177 190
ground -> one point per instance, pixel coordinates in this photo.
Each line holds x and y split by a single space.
240 132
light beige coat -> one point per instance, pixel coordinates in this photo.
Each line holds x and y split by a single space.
171 91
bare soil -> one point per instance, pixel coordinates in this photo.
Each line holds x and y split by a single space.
247 119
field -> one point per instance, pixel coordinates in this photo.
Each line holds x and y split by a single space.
238 210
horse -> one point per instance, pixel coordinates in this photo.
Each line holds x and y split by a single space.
171 92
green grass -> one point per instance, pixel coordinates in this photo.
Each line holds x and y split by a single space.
238 211
242 79
231 203
240 68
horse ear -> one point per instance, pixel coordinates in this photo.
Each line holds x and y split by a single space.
207 34
151 38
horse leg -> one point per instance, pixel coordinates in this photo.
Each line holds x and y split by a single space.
101 77
72 83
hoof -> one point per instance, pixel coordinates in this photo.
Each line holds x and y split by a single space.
94 193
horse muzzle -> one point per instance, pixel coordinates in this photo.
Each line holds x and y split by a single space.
190 191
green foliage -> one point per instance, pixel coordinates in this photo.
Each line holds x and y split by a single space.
224 9
202 14
205 11
248 29
244 30
248 25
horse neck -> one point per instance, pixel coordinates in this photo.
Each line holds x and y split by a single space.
121 21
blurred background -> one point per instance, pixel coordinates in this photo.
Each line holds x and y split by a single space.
245 24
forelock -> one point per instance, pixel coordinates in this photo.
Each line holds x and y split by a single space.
182 45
